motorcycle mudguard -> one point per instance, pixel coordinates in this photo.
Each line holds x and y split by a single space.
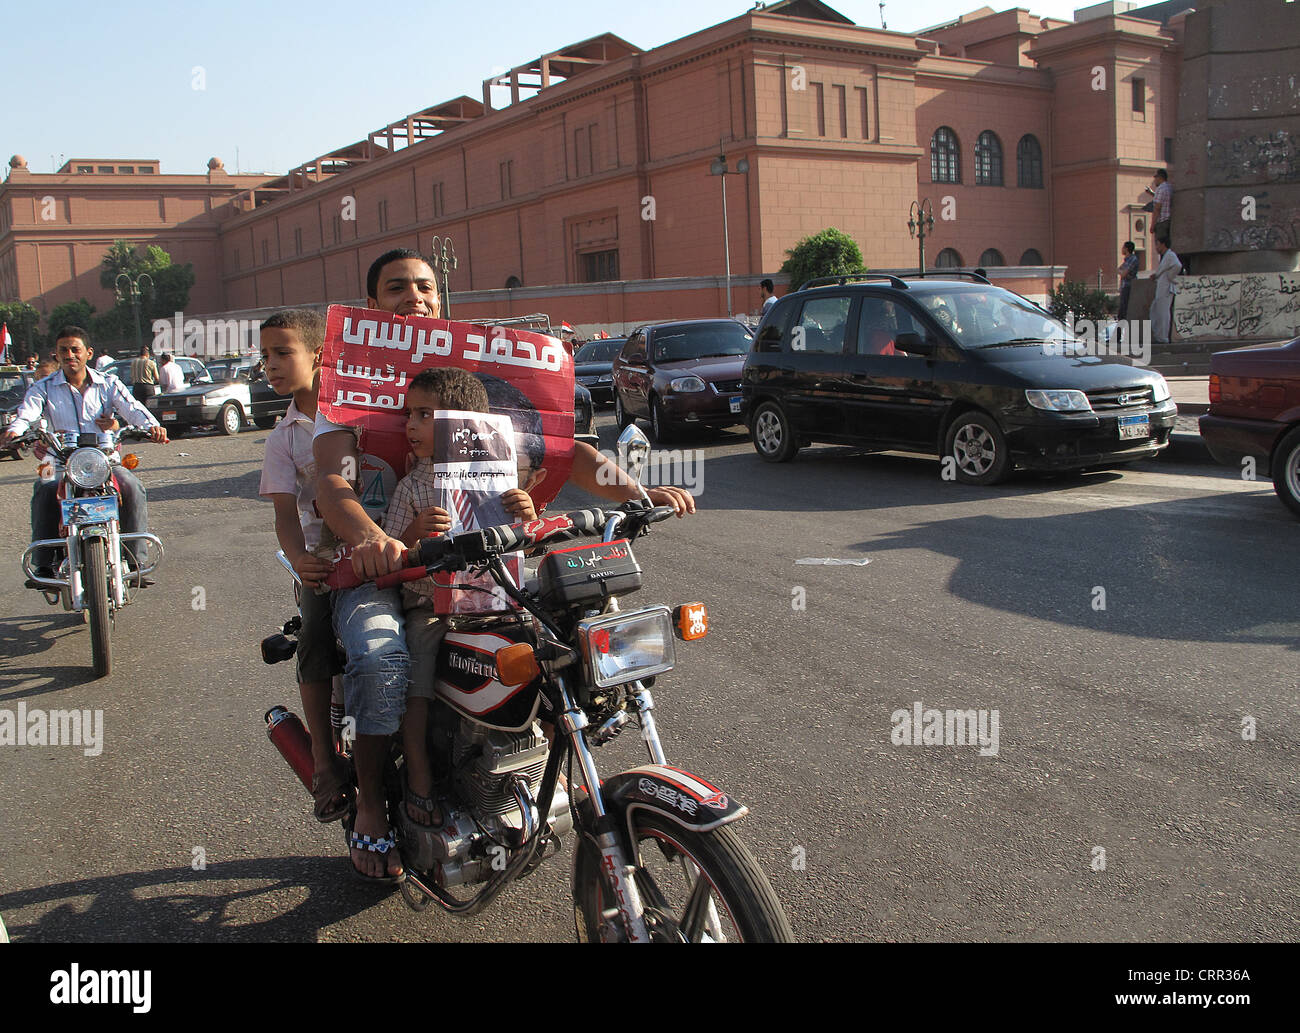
678 795
467 679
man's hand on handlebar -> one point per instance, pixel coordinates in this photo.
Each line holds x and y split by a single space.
377 555
679 499
158 434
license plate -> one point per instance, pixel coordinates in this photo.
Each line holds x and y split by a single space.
98 510
169 416
735 404
1134 427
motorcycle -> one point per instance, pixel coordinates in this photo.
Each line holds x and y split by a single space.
656 856
97 572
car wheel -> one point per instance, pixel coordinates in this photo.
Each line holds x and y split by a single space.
660 424
231 419
1286 471
978 449
622 417
774 438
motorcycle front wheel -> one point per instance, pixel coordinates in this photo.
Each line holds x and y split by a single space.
697 887
94 586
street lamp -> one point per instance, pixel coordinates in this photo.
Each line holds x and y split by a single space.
444 261
718 167
920 222
133 289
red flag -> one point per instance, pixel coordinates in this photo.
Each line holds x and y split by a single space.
5 342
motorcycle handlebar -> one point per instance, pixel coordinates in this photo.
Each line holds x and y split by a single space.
467 547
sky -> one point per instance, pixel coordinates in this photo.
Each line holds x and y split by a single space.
269 86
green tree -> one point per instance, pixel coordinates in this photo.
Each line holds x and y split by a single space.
828 253
1075 296
169 293
70 313
22 320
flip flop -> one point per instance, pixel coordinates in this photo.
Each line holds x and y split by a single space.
382 845
425 804
334 786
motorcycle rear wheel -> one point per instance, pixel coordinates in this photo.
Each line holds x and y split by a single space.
679 872
94 587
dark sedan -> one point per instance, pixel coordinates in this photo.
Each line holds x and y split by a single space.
593 367
1255 414
967 371
679 374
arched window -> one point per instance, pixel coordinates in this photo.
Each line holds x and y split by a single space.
947 259
991 257
945 157
1029 162
988 159
513 283
1031 257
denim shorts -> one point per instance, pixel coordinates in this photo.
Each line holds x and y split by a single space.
369 624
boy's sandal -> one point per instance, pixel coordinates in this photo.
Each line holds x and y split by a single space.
424 804
333 794
381 845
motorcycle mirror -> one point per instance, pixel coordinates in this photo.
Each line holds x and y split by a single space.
634 449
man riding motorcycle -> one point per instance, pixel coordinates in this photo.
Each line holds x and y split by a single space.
77 399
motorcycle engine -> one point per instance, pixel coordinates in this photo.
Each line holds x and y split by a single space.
481 818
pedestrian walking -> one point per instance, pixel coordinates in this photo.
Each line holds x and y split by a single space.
144 376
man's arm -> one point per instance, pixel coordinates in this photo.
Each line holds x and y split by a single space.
126 405
595 473
28 412
374 552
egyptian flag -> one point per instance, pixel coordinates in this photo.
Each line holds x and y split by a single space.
6 342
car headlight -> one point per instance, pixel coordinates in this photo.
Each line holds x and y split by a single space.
194 400
1160 389
686 384
89 468
1059 401
628 646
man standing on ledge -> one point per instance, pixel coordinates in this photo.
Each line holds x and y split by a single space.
369 621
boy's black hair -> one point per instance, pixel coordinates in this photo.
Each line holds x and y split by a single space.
307 324
455 388
768 286
377 266
1128 246
74 331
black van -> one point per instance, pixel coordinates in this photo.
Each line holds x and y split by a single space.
955 368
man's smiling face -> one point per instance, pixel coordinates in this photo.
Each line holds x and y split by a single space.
407 287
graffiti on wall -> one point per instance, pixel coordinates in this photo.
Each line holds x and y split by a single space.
1265 305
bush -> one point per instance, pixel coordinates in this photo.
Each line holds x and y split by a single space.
828 253
1074 297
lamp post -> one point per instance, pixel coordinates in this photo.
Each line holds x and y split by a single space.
133 289
920 222
443 261
718 167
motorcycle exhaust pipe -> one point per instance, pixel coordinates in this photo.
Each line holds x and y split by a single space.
293 741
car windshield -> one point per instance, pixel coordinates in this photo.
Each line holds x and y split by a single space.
682 343
989 317
227 370
12 388
596 351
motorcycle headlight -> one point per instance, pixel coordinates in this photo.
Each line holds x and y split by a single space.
687 384
625 647
1160 389
1058 401
89 468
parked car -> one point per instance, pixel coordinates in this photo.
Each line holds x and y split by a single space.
964 370
593 367
226 403
192 370
14 383
1255 413
681 373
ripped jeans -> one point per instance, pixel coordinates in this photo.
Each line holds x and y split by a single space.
368 622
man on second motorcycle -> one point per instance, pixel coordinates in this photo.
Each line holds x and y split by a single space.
80 400
369 621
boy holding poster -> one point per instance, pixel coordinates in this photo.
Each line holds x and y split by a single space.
464 460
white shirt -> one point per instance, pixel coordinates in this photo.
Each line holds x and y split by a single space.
768 302
68 410
170 377
290 469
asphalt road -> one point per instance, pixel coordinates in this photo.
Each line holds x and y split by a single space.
1120 729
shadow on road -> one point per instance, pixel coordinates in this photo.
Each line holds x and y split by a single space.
23 639
290 900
